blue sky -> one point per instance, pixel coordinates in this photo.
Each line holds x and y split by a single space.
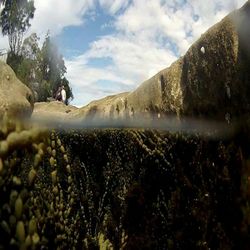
111 46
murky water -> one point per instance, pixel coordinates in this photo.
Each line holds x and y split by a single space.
158 184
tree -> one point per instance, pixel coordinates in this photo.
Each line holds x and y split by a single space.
52 67
15 20
42 69
52 63
27 69
30 47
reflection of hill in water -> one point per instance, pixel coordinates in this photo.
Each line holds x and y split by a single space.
139 188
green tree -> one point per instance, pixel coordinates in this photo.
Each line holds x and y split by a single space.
15 20
52 67
28 67
30 47
52 63
42 69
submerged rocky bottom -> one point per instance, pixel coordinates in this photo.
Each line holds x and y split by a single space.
122 189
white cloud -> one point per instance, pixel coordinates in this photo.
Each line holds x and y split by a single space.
173 19
132 57
85 80
54 15
83 75
113 6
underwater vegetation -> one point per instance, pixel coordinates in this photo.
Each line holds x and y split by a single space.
122 189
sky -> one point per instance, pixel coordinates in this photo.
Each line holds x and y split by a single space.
112 46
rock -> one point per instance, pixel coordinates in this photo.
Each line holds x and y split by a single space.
16 99
53 110
197 84
104 108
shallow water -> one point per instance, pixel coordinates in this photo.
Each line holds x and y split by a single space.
184 185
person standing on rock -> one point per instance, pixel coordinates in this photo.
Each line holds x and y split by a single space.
58 95
63 95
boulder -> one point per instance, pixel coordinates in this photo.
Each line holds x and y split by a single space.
53 111
106 107
56 111
16 99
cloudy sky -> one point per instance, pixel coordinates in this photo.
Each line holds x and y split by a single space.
111 46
